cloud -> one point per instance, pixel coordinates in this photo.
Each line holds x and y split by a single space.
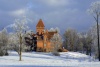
10 26
60 13
18 12
55 3
9 5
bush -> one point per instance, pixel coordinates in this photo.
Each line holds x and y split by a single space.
39 49
59 50
56 53
6 54
1 53
96 56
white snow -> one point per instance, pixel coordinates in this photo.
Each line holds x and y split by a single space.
30 59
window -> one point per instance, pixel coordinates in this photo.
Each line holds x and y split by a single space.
44 44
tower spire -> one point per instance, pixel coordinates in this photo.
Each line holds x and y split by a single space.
40 23
40 27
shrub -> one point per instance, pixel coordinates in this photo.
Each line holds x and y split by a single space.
96 56
6 54
59 50
56 53
1 53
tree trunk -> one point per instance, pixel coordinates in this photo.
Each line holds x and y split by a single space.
98 38
20 51
90 50
87 51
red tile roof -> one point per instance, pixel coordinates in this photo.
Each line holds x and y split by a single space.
40 23
50 34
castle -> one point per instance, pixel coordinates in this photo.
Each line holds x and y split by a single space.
41 39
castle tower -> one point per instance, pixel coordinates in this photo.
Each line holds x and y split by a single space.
40 27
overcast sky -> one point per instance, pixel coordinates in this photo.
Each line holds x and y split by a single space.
54 13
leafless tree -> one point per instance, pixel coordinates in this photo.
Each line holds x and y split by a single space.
95 11
71 39
56 42
20 26
3 41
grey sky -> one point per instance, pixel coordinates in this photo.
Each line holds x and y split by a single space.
55 13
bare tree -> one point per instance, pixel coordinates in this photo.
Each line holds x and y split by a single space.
93 35
87 40
71 40
56 42
20 27
3 42
13 42
95 11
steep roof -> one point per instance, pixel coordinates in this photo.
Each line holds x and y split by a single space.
50 34
40 23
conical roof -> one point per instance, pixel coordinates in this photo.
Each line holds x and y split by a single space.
40 23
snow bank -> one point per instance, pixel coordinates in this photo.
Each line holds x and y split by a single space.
71 59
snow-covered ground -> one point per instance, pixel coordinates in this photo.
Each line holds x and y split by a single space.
40 59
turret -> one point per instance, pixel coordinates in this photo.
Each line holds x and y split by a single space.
40 27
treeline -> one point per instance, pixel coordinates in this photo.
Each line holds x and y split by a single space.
84 42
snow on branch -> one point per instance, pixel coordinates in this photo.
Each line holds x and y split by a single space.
95 8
